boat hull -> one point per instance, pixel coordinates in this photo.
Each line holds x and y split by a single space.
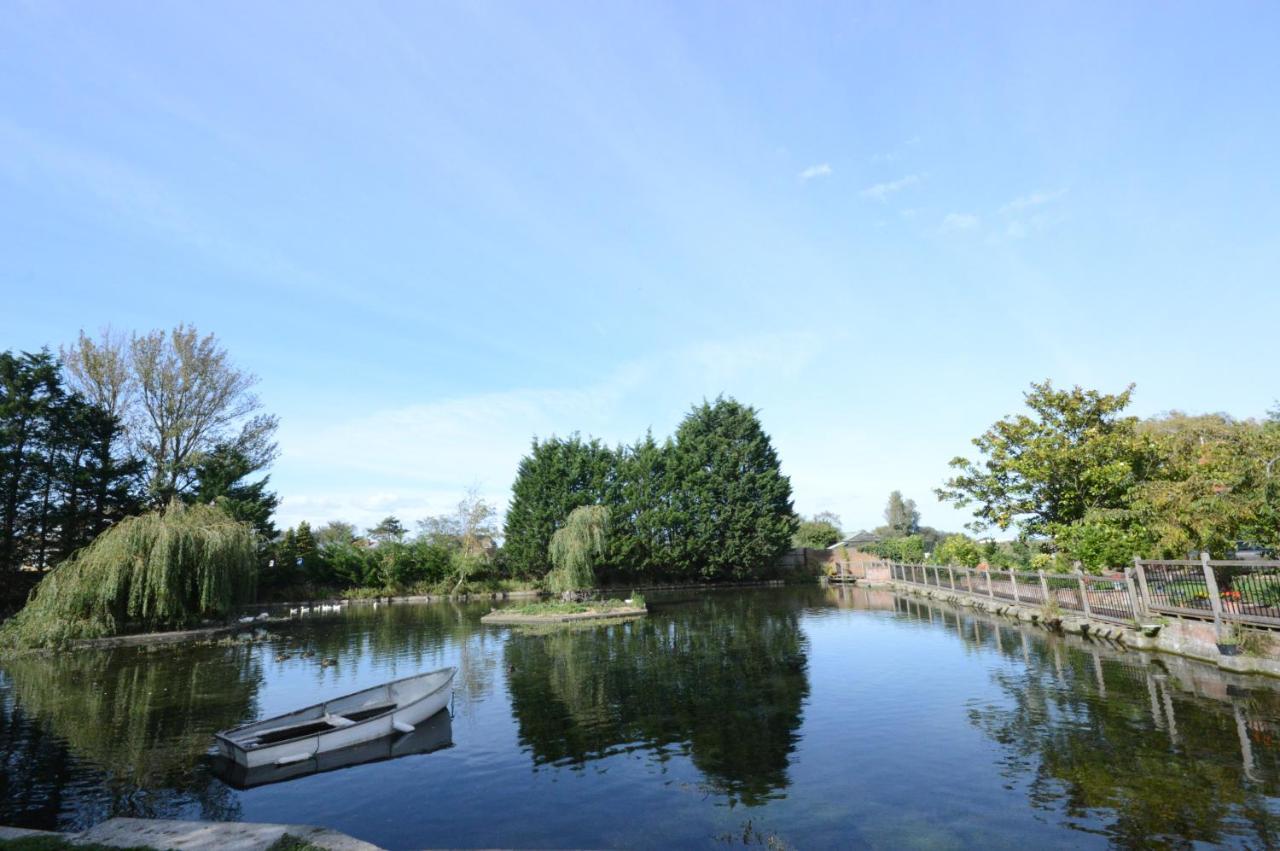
436 733
409 702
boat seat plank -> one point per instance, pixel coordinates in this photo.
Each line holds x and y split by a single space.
367 713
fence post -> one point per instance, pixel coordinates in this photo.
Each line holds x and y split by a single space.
951 575
1211 582
990 593
1141 573
1139 610
1044 587
1013 583
1084 592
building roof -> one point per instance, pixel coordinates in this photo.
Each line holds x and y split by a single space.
862 538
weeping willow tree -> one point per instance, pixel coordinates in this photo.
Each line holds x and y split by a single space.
162 570
575 548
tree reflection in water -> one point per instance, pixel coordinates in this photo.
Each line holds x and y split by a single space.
1146 750
402 639
101 734
721 679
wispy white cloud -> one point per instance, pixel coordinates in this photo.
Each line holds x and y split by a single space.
959 221
418 460
820 170
895 154
1030 213
1035 199
881 191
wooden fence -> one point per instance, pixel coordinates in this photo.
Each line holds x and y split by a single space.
1245 592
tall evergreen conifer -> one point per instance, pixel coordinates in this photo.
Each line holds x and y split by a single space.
732 508
557 476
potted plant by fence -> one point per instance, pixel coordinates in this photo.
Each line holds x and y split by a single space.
1229 643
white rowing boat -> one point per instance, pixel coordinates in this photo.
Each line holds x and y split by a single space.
397 706
436 733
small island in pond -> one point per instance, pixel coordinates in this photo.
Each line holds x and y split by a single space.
555 611
573 550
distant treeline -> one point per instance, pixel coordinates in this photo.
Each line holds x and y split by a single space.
708 504
450 553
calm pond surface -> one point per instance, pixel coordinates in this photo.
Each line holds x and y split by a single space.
799 718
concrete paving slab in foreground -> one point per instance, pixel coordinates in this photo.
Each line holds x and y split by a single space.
212 836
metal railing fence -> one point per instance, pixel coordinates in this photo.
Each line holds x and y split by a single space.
1222 591
1108 598
1248 592
1175 587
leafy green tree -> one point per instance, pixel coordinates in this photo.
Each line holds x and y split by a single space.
306 550
557 476
389 529
1009 555
1100 543
221 477
281 559
351 565
1210 488
958 550
732 504
816 533
575 548
908 549
901 516
1265 529
155 571
335 533
1073 453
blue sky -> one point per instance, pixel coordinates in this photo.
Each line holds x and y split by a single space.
437 229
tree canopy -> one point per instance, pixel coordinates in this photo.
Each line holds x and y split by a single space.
1075 452
160 570
64 474
179 397
575 547
817 532
1082 480
557 476
901 516
711 503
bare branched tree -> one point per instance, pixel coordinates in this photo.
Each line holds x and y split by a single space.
178 395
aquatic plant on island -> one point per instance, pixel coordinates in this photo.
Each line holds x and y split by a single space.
161 570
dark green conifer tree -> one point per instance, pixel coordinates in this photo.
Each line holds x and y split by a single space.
731 505
557 476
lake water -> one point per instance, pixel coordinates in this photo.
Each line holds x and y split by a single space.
800 718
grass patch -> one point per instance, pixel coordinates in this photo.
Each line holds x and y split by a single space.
556 607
